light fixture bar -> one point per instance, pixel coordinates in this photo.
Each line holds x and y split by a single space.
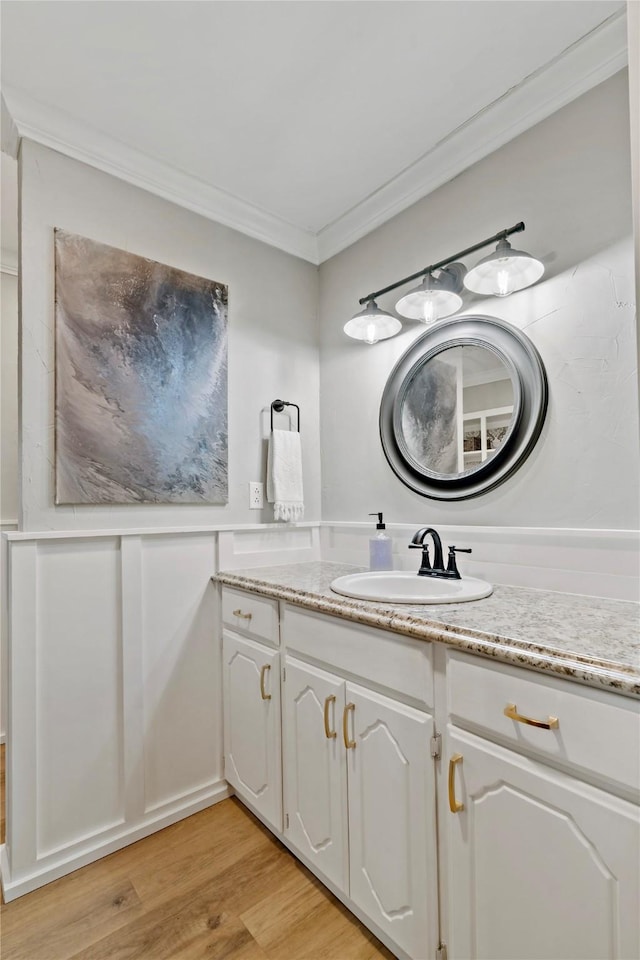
501 235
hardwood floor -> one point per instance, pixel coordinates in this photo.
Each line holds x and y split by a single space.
217 885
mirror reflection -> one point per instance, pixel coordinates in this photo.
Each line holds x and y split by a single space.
457 409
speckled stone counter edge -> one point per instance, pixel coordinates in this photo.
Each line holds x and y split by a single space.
597 672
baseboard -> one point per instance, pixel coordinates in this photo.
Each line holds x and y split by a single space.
12 888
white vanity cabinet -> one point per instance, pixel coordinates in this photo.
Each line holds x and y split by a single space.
360 798
359 791
541 864
251 696
391 786
315 769
416 787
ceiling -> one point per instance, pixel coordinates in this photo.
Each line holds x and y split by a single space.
305 124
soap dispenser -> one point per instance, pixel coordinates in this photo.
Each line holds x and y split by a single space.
380 553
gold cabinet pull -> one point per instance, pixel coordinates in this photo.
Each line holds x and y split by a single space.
243 616
328 732
454 806
349 744
511 711
263 673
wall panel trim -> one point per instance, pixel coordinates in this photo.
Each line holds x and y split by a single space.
17 535
132 682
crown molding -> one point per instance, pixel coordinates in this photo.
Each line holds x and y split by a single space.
8 263
58 130
583 65
589 61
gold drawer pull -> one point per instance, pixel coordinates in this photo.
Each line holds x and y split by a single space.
263 673
454 806
511 711
349 744
328 732
243 616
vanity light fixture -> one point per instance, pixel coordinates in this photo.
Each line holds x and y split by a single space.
436 297
503 272
372 324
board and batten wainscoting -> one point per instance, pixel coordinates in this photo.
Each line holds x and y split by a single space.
112 664
114 726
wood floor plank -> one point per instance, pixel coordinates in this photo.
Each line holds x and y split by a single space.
65 922
283 908
188 924
250 951
229 836
303 920
245 882
230 951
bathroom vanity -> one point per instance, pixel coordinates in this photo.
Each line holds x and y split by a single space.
463 777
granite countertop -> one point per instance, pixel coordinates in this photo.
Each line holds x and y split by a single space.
592 640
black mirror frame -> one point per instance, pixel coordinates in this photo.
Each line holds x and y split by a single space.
530 406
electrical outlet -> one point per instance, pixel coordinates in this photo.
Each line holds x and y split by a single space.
256 495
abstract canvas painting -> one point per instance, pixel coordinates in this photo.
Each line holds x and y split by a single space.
141 379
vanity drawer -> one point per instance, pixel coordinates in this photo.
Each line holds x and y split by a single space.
388 660
257 617
597 732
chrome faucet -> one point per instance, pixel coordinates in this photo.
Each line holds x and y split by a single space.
437 570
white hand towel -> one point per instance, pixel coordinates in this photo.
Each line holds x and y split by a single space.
284 475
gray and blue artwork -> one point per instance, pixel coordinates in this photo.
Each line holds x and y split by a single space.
141 379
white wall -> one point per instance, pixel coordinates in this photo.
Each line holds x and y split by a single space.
633 40
8 399
273 334
568 178
8 438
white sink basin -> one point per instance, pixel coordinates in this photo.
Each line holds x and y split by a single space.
401 586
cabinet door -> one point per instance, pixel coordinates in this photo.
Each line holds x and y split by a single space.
252 725
391 782
540 865
315 772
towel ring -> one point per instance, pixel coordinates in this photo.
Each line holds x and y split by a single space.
279 405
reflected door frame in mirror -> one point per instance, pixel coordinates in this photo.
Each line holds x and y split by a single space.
530 395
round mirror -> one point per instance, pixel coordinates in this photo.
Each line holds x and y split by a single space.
463 407
456 410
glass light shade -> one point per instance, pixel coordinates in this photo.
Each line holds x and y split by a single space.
372 324
433 299
503 272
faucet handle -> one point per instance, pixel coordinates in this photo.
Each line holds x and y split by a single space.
452 567
425 563
426 560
